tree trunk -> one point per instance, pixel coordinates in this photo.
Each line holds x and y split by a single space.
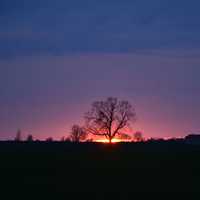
110 139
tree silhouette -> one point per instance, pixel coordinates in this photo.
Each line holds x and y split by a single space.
109 118
18 136
77 134
138 136
29 138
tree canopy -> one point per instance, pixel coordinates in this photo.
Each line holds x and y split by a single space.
109 118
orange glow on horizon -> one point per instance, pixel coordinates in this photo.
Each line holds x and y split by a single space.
114 140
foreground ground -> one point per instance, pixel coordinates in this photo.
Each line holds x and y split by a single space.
55 170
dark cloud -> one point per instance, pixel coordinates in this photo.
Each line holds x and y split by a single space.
49 27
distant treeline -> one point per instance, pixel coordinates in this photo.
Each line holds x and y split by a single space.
81 137
110 120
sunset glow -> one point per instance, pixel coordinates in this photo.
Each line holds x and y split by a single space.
115 140
156 71
99 98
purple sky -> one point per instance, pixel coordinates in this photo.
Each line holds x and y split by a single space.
57 57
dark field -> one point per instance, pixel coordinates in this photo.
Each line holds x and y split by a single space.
53 170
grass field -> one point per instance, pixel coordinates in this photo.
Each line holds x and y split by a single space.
65 170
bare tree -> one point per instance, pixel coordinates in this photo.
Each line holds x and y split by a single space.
138 136
29 138
18 136
77 134
109 118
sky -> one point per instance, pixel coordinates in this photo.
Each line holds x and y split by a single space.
57 57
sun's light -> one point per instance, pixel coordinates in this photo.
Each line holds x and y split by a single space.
114 140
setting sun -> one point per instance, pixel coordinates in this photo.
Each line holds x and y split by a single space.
115 140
